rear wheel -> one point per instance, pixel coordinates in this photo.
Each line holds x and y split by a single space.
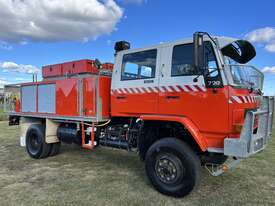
55 149
35 142
172 167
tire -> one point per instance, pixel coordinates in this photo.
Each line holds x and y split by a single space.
172 167
55 149
213 158
36 146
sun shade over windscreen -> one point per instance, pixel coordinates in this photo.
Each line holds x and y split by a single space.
240 51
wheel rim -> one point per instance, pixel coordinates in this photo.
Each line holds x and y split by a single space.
34 144
169 169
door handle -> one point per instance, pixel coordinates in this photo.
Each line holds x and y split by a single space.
148 81
121 97
172 97
161 70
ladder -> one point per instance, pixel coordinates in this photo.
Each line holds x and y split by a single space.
91 143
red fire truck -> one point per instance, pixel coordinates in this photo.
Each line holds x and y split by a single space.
180 105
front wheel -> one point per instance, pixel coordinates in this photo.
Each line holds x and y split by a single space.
172 167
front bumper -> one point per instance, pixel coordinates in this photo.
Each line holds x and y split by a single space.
251 141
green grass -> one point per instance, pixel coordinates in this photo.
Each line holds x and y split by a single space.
111 177
3 115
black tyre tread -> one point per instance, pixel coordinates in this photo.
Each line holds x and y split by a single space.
187 154
55 149
46 148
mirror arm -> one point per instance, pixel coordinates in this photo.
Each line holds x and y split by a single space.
98 64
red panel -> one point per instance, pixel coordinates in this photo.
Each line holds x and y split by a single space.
52 70
78 67
134 104
104 93
67 97
207 110
108 66
237 111
89 96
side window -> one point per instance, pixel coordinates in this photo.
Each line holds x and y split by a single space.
210 60
182 60
213 79
139 65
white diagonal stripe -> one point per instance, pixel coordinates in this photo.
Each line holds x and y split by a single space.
147 90
154 89
135 90
176 88
244 99
237 99
161 89
130 91
202 87
193 88
184 88
124 90
127 90
169 89
138 90
143 90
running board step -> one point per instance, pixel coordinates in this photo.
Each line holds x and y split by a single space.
119 144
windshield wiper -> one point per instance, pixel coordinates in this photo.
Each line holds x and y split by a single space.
259 91
249 84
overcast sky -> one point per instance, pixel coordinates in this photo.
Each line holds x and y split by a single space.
40 32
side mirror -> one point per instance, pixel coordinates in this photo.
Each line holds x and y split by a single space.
198 51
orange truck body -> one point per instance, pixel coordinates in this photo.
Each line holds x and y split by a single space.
209 114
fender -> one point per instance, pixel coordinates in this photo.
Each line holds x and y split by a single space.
187 123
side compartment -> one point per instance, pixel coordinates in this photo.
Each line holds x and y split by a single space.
83 98
96 97
67 97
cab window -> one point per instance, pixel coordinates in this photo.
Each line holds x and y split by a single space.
213 78
139 65
182 60
210 60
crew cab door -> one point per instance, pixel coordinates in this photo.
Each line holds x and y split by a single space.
183 91
134 83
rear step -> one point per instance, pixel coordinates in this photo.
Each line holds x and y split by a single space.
91 143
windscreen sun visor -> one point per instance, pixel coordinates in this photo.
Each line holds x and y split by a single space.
240 51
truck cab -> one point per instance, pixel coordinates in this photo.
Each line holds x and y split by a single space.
164 81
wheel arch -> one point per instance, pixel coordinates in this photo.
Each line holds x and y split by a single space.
183 122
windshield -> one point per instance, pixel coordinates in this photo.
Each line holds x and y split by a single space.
245 75
236 55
